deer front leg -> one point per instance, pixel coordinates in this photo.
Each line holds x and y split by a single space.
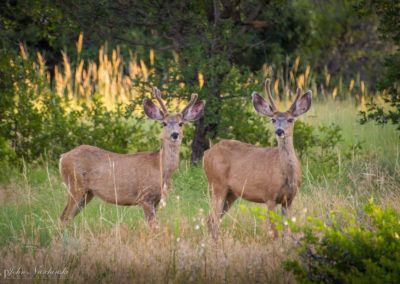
164 193
271 207
285 209
150 211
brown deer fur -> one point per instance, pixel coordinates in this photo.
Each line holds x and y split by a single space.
135 179
269 175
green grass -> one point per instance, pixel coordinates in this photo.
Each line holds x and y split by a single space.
381 141
107 242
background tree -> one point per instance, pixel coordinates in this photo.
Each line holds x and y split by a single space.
224 44
208 37
388 12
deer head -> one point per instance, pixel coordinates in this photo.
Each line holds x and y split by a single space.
173 123
283 122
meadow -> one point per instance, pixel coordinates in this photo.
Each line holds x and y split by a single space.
107 243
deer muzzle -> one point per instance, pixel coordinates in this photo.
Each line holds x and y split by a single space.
280 132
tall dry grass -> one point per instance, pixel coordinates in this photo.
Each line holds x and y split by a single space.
112 77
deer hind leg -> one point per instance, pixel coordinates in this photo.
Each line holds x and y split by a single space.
229 200
67 210
75 196
219 207
82 203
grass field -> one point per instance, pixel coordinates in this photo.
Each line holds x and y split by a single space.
107 242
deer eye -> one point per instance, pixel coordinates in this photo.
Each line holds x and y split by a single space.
290 120
181 124
164 123
273 120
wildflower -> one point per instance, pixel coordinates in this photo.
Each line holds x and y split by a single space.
294 219
196 227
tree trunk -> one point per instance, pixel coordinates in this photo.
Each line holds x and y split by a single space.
200 142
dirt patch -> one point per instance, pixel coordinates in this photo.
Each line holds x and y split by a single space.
3 195
8 195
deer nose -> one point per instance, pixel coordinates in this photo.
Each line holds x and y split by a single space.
279 132
175 135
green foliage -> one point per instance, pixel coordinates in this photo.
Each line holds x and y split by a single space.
339 41
318 144
388 12
36 121
362 247
243 124
304 138
19 116
40 25
279 220
216 39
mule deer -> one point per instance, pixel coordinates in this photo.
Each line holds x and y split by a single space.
269 175
136 179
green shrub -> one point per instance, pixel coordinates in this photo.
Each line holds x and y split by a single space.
356 247
35 121
243 123
20 118
304 138
319 146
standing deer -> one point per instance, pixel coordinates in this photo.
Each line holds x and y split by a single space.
135 179
269 175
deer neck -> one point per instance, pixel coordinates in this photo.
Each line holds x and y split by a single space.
288 159
169 158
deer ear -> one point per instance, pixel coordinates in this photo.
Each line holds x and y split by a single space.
194 112
303 104
261 105
152 111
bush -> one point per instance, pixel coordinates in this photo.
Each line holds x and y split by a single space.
243 123
304 138
388 12
35 121
362 247
318 145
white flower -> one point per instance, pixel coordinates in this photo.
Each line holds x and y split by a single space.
285 223
178 239
203 244
196 227
294 219
201 210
